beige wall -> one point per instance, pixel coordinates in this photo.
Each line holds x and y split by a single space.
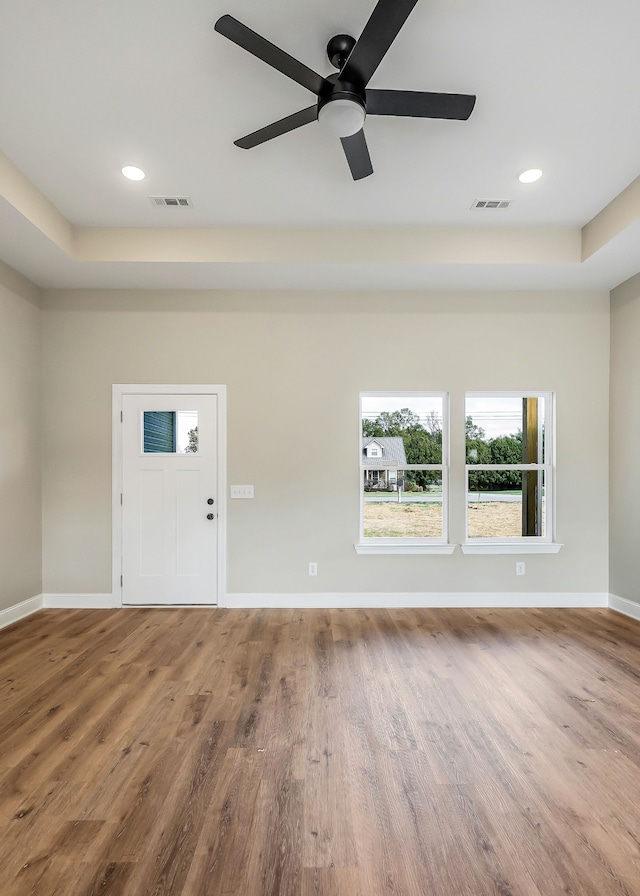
294 365
20 494
624 441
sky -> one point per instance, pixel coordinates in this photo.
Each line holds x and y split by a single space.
496 416
419 404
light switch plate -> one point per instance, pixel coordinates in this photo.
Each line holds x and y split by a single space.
242 491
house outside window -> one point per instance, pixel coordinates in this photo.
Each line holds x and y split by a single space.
509 472
388 450
404 450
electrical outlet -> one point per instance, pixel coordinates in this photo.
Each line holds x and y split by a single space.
313 569
519 569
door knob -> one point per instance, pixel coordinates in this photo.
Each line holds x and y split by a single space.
209 516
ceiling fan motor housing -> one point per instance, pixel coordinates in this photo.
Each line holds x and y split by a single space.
339 48
333 88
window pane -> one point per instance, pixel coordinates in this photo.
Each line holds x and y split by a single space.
505 430
494 511
170 432
396 506
401 429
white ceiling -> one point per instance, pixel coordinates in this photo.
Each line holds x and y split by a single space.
86 88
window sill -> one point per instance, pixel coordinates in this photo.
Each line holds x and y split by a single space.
505 548
405 548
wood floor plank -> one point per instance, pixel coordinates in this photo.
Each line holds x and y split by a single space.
136 754
231 827
332 882
170 848
366 752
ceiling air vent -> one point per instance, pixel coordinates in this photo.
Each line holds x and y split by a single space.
171 201
492 203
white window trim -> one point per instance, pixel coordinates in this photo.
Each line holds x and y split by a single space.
525 544
408 545
403 546
503 547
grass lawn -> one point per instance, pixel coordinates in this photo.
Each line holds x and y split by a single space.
393 520
487 519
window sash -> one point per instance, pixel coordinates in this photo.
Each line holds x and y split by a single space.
402 466
442 467
399 540
476 468
547 538
546 424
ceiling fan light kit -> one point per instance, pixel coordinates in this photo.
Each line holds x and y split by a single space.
343 100
341 117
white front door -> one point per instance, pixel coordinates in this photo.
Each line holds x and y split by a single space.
169 499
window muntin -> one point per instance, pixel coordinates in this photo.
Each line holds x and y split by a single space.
509 446
403 487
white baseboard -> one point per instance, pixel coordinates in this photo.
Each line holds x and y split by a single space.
19 611
624 606
80 601
464 599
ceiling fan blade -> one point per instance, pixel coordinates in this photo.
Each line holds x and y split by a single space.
357 153
420 104
379 33
290 123
275 57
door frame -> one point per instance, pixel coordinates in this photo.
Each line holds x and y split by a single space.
117 392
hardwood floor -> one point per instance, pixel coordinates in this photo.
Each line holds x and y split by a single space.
320 753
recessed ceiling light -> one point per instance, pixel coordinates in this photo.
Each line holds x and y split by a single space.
530 176
133 173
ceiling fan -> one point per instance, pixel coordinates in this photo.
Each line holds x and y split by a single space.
343 98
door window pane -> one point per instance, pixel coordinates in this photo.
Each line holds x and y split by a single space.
170 432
